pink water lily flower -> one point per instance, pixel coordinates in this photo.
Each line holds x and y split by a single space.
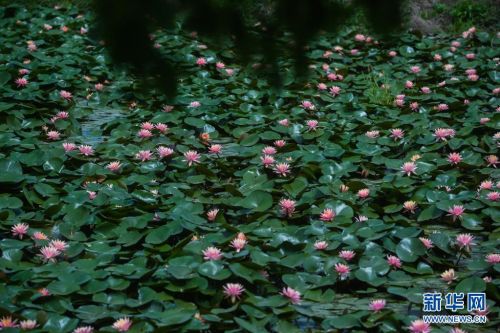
397 133
21 82
267 160
215 149
212 253
342 270
84 329
114 166
364 193
69 146
347 254
465 241
292 294
212 214
86 150
287 207
456 211
144 155
327 215
449 276
493 258
19 230
493 196
320 245
49 253
454 158
191 157
122 324
233 291
419 326
65 95
144 134
282 169
53 135
238 243
394 261
269 150
164 151
377 305
426 242
28 324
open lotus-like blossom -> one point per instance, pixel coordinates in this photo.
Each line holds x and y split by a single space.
53 135
163 128
410 206
465 241
220 65
419 326
194 104
212 214
144 134
191 157
335 90
377 305
308 105
215 149
372 134
321 86
164 151
8 322
201 61
40 236
28 324
49 253
86 150
84 329
114 166
280 143
292 294
327 215
364 193
320 245
269 150
212 253
44 292
449 276
65 95
347 255
493 196
394 261
21 82
426 242
60 245
19 230
409 84
68 146
408 168
233 291
342 270
425 90
486 185
312 125
392 54
454 158
397 133
492 160
238 244
456 211
147 126
287 207
144 155
493 258
282 169
122 324
284 122
415 69
444 133
267 160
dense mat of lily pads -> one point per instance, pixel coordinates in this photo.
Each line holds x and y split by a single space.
323 206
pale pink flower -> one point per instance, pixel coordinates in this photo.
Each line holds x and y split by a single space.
360 38
496 91
59 245
212 214
238 244
292 294
342 270
410 206
40 236
394 261
470 71
442 83
419 326
201 61
492 160
68 146
473 77
426 90
49 253
23 71
486 185
327 215
399 102
62 115
363 193
220 65
335 90
456 211
454 158
194 104
426 242
267 160
7 322
144 134
415 69
284 122
84 329
448 276
163 128
372 134
53 135
92 195
493 258
332 76
44 292
354 51
114 166
144 155
443 133
414 106
308 105
280 143
191 157
484 120
282 169
377 305
408 168
21 82
215 149
397 133
493 196
212 253
168 108
269 150
344 188
361 218
86 150
347 255
448 67
320 245
312 125
147 126
32 47
409 84
442 107
65 95
164 151
322 86
437 57
287 207
392 54
99 86
19 230
465 241
229 71
233 291
28 324
122 324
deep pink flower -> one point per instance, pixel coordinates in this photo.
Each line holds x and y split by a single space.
322 86
465 241
65 95
59 245
163 128
282 169
287 207
144 134
92 195
147 126
347 255
53 135
493 196
68 146
201 61
164 151
327 215
360 38
363 193
493 258
486 185
456 211
233 291
267 160
442 107
280 143
49 253
269 150
21 82
114 166
335 90
7 322
191 157
144 155
312 125
212 253
19 230
397 133
212 214
409 84
292 294
122 324
377 305
86 150
215 149
320 245
426 242
238 244
414 106
394 261
454 158
419 326
342 270
220 65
